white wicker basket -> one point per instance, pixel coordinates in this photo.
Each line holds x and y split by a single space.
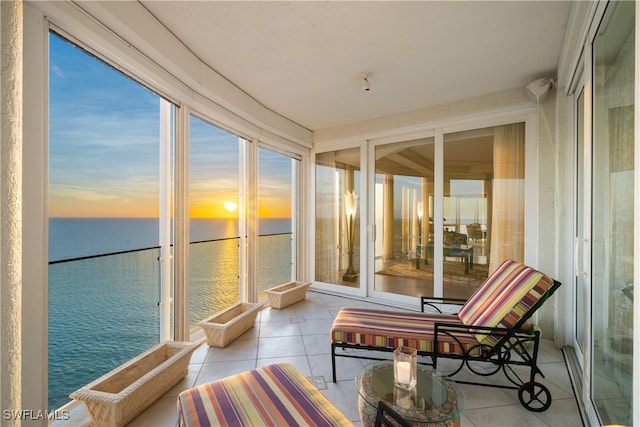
120 395
286 294
227 325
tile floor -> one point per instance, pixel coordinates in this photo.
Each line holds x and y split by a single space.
299 334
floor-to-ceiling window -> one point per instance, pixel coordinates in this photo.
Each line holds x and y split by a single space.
277 203
103 219
337 222
221 218
612 222
214 253
109 179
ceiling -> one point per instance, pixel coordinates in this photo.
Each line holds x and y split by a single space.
303 59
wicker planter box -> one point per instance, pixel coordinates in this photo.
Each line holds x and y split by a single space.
286 294
120 395
227 325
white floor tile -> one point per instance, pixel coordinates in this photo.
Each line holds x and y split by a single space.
299 334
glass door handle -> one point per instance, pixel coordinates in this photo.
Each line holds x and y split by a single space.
580 241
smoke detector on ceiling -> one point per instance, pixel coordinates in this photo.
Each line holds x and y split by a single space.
365 84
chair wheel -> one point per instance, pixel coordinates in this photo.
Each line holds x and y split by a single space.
534 396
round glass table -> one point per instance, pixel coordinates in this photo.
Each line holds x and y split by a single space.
435 401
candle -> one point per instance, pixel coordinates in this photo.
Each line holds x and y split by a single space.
404 367
404 373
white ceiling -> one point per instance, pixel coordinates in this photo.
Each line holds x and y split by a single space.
303 59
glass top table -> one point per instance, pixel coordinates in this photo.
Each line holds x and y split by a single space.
435 401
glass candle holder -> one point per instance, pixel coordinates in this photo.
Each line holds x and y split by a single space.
405 360
406 398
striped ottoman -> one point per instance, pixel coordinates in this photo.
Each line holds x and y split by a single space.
274 395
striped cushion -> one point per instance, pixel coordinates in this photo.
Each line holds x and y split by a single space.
274 395
394 328
501 301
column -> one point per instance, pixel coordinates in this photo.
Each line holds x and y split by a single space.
387 248
11 57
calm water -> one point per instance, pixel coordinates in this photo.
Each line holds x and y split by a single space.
104 311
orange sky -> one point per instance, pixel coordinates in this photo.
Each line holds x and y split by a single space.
69 206
216 209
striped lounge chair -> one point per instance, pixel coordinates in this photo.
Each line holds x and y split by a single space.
275 395
488 328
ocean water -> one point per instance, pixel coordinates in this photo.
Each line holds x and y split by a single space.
104 310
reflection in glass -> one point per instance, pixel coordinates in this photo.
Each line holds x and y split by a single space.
337 236
613 210
483 204
350 210
404 217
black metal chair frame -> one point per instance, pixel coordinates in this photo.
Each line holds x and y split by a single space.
387 417
514 347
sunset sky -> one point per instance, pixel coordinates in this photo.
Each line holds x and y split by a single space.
104 155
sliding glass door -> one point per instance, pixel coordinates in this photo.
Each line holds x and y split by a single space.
603 328
404 194
612 222
443 222
483 204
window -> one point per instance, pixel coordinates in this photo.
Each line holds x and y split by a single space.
338 217
103 219
214 182
277 175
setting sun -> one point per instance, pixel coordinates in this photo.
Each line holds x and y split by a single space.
230 206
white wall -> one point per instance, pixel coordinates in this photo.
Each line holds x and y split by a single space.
469 109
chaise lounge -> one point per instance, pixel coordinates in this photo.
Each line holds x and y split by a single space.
272 395
488 333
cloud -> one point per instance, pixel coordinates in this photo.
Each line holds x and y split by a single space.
57 70
82 194
104 143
